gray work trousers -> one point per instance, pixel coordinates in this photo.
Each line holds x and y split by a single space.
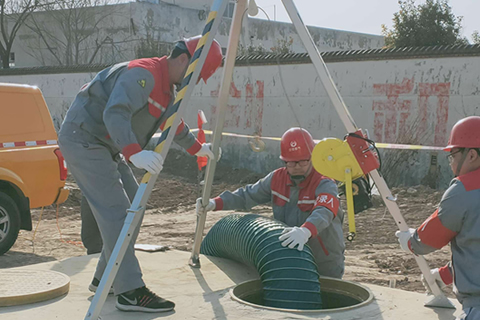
91 237
470 314
96 172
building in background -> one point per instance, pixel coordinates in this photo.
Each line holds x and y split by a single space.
125 31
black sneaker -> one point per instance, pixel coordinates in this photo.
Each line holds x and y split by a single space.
144 300
94 286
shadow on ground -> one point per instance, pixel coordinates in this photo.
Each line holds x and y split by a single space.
13 259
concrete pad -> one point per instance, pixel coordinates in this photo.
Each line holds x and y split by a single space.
203 294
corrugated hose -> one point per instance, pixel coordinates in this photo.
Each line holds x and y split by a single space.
289 277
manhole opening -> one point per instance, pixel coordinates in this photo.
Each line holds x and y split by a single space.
336 295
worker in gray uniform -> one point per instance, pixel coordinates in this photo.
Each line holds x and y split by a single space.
301 198
456 221
113 117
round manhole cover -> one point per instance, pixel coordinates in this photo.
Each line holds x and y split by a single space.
29 286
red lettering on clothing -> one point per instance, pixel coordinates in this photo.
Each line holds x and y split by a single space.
328 201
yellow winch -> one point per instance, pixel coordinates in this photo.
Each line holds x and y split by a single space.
334 158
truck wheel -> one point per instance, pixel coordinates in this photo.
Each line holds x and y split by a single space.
9 222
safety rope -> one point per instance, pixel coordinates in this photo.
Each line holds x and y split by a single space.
76 243
35 231
379 145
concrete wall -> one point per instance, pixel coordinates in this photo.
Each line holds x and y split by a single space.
126 24
403 101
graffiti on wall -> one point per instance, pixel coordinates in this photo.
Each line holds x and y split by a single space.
245 107
396 115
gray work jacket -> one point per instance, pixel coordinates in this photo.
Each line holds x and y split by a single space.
311 203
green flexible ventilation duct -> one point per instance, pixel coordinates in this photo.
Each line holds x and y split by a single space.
289 277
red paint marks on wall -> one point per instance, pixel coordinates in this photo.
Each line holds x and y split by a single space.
388 111
234 92
249 118
402 124
378 123
392 115
439 116
232 118
259 114
249 105
393 89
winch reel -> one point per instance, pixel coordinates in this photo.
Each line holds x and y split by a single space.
345 161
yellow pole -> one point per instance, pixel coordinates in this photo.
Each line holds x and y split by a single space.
350 205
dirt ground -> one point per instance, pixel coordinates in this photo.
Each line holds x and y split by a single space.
373 257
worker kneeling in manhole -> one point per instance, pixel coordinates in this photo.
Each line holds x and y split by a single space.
301 198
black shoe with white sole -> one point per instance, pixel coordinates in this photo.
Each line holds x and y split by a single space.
94 286
143 300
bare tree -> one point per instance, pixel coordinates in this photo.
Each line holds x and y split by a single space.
151 45
74 31
13 14
396 162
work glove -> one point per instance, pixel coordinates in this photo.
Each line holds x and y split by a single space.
404 238
294 236
438 279
209 207
148 160
206 151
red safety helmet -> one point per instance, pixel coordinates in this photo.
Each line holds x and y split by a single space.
214 57
297 144
465 134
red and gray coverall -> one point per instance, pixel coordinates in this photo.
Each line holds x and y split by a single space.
311 203
457 221
117 113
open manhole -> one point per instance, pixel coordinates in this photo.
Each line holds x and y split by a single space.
337 295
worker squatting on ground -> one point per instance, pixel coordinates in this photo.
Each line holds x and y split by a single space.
114 116
456 221
302 198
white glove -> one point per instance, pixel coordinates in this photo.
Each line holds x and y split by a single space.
206 151
438 279
148 160
294 236
209 207
404 238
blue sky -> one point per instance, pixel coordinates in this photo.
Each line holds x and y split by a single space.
362 15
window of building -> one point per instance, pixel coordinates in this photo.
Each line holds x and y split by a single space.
229 10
